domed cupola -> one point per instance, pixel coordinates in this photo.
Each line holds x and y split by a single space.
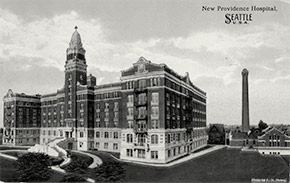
76 49
75 41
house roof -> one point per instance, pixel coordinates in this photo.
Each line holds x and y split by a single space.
220 127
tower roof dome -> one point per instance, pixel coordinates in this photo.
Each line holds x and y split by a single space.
75 41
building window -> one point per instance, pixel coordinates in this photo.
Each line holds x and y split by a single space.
43 132
106 135
98 124
142 98
142 83
129 152
98 106
142 112
115 135
130 111
130 124
115 146
168 138
174 151
154 139
107 124
116 115
106 145
141 153
155 111
141 139
97 134
168 153
107 105
81 134
116 105
155 81
130 99
107 115
97 145
54 133
155 124
154 154
155 98
98 116
129 138
60 133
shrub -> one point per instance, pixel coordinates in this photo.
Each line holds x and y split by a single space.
110 172
78 166
33 167
55 161
71 177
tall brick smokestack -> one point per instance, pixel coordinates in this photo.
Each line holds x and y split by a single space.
245 103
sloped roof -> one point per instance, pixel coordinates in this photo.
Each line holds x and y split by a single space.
220 127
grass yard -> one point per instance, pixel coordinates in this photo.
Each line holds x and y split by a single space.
226 165
87 159
8 147
8 172
14 153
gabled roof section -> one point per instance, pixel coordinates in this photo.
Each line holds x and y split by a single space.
142 66
219 127
11 94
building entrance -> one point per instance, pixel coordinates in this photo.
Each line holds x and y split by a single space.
70 145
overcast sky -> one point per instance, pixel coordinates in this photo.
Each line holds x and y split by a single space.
34 35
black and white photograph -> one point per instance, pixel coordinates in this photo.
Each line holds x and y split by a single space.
145 91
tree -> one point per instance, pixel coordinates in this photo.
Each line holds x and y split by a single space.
110 172
262 125
71 177
33 167
77 166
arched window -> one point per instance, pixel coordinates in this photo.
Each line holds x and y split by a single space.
115 135
97 134
154 139
106 134
129 138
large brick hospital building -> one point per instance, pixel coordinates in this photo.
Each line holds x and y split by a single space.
152 114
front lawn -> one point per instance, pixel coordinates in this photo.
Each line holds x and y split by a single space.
8 172
14 153
225 165
2 147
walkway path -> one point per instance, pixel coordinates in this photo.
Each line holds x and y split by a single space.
96 160
55 168
181 160
11 150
